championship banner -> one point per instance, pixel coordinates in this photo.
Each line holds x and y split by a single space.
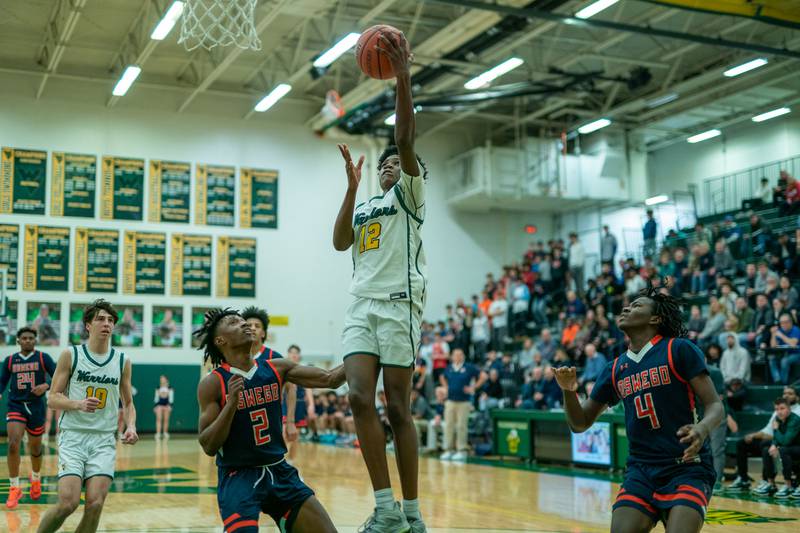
23 179
191 265
46 259
96 260
122 190
236 267
9 253
215 195
170 186
259 198
73 185
144 257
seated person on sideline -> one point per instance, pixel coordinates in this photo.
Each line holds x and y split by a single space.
786 445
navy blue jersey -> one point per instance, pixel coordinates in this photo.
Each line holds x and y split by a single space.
300 408
657 397
25 373
268 354
255 437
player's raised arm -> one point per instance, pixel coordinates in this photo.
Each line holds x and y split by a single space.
57 399
396 49
215 421
580 416
343 228
309 376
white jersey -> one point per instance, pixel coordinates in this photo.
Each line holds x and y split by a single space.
95 375
388 259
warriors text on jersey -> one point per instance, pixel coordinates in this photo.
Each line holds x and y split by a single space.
97 375
388 259
654 388
255 437
24 373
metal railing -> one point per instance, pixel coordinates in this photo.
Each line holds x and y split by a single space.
726 193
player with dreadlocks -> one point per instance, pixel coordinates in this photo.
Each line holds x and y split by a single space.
240 423
670 473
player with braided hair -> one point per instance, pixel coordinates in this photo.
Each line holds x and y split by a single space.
670 473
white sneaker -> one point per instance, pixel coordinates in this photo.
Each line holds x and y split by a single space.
446 456
157 436
166 436
459 456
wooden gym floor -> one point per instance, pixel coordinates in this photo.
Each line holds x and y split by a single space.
169 487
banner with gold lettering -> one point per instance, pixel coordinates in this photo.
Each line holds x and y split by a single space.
73 185
258 207
122 189
215 191
23 179
144 257
170 186
96 260
46 258
191 265
236 267
9 253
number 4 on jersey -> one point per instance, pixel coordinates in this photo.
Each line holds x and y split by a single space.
646 409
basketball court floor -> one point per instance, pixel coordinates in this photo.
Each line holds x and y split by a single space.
169 487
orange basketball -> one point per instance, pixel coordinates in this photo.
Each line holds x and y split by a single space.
372 61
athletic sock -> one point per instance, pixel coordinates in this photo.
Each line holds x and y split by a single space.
14 481
411 509
35 476
384 499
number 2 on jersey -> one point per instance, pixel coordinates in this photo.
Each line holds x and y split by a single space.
369 237
646 409
260 426
98 392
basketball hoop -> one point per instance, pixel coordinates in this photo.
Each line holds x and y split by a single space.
333 108
210 23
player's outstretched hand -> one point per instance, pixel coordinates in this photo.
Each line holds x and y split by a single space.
235 388
130 436
396 49
694 436
567 378
353 171
88 405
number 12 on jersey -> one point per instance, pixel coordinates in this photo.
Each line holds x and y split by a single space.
369 237
646 409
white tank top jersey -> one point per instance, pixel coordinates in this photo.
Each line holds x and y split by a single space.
388 259
95 375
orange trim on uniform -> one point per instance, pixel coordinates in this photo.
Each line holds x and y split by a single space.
231 518
226 366
614 379
634 499
41 361
684 488
672 363
16 419
243 523
10 357
675 497
36 431
655 340
222 387
277 375
269 357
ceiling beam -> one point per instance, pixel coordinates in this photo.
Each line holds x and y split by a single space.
63 19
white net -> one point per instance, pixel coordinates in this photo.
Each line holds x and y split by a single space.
210 23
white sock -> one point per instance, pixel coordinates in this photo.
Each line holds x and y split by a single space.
384 499
14 481
411 508
35 476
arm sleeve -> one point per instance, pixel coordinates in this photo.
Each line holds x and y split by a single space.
603 391
5 375
49 364
689 360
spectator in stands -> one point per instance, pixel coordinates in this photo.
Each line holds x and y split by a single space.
786 445
681 272
787 293
461 379
700 265
727 297
575 308
696 324
760 236
480 335
714 325
511 375
784 254
569 333
724 264
713 355
763 193
649 231
526 353
436 424
732 235
498 313
702 235
459 337
608 247
743 314
577 261
753 443
546 271
422 379
440 355
547 345
420 413
791 196
634 283
735 362
763 277
491 394
730 328
561 358
520 301
736 393
595 364
784 335
763 320
750 284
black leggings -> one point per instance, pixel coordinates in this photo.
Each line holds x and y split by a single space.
744 450
789 455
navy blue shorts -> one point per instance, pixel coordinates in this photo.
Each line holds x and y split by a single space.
32 414
655 489
275 490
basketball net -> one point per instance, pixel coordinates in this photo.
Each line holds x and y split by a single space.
210 23
333 108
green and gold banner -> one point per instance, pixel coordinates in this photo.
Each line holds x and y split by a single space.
46 259
9 253
122 191
96 260
144 256
236 267
215 195
73 185
259 198
170 186
191 265
23 179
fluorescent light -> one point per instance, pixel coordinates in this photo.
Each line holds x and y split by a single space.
332 54
594 9
660 199
594 126
126 80
710 134
744 67
276 94
493 73
661 100
771 114
168 22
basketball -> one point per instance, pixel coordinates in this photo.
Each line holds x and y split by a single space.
372 61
